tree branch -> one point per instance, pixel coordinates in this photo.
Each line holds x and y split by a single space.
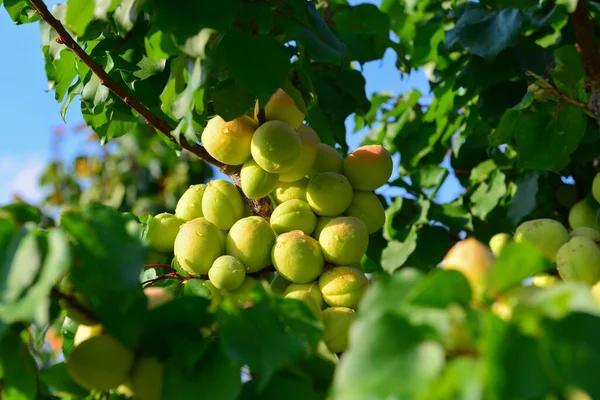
261 207
74 303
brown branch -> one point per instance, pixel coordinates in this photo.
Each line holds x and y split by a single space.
587 44
71 301
64 37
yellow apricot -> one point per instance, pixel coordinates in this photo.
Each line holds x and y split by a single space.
327 159
307 158
189 205
281 106
292 215
547 235
343 286
322 223
198 245
285 191
255 181
336 325
222 204
297 257
329 194
368 167
498 242
344 240
583 214
367 207
84 332
250 240
276 147
229 142
161 232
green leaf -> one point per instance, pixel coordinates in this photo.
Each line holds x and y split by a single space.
517 262
524 201
20 381
126 13
396 253
104 7
283 385
570 5
487 195
60 382
21 11
159 45
517 3
60 72
462 380
230 100
442 288
21 212
79 15
568 74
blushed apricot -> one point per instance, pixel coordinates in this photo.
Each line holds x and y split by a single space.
547 235
161 232
336 325
157 296
198 245
292 215
285 191
329 194
327 159
343 286
367 207
189 205
344 240
276 147
255 181
250 240
229 142
222 204
297 257
281 106
368 167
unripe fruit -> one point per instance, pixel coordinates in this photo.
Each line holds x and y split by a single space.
582 214
285 191
307 299
586 232
100 363
282 107
579 260
157 296
256 182
229 142
222 204
276 147
161 232
321 223
84 332
312 288
498 242
307 158
241 295
189 206
279 284
367 207
474 260
336 324
368 167
343 286
309 134
227 272
327 159
293 215
544 280
198 245
250 240
344 240
596 187
547 235
147 378
297 257
329 194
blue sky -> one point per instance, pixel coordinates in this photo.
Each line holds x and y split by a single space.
30 112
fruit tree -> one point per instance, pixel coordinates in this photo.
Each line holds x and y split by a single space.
308 268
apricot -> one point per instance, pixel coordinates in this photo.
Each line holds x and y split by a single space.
475 261
579 260
161 232
281 106
279 284
309 134
255 181
544 280
368 167
582 214
498 242
596 187
276 147
84 332
100 363
293 215
227 272
147 378
242 295
344 240
343 286
250 240
327 159
321 223
285 191
336 325
157 296
596 292
585 231
229 142
312 288
307 299
189 205
329 194
367 207
297 257
547 235
222 204
307 158
198 245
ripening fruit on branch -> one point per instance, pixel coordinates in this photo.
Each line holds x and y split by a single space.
250 240
293 215
336 325
596 187
344 240
100 363
329 194
343 286
297 257
189 205
579 260
198 245
227 273
242 295
222 204
498 242
229 142
157 296
547 235
276 147
327 159
281 106
586 232
161 232
582 214
285 191
368 167
307 156
307 299
255 181
84 332
312 288
147 378
368 208
321 223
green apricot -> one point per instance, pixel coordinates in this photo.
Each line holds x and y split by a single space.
307 157
343 286
585 231
146 380
222 204
344 240
161 232
281 106
579 260
229 142
498 243
307 299
327 159
583 214
279 284
189 206
367 207
242 295
157 296
100 363
368 167
276 147
250 240
255 181
596 187
336 325
308 134
297 257
312 288
545 234
198 245
321 223
85 332
293 215
544 280
285 191
329 194
227 272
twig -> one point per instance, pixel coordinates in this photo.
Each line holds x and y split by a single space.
74 303
554 90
